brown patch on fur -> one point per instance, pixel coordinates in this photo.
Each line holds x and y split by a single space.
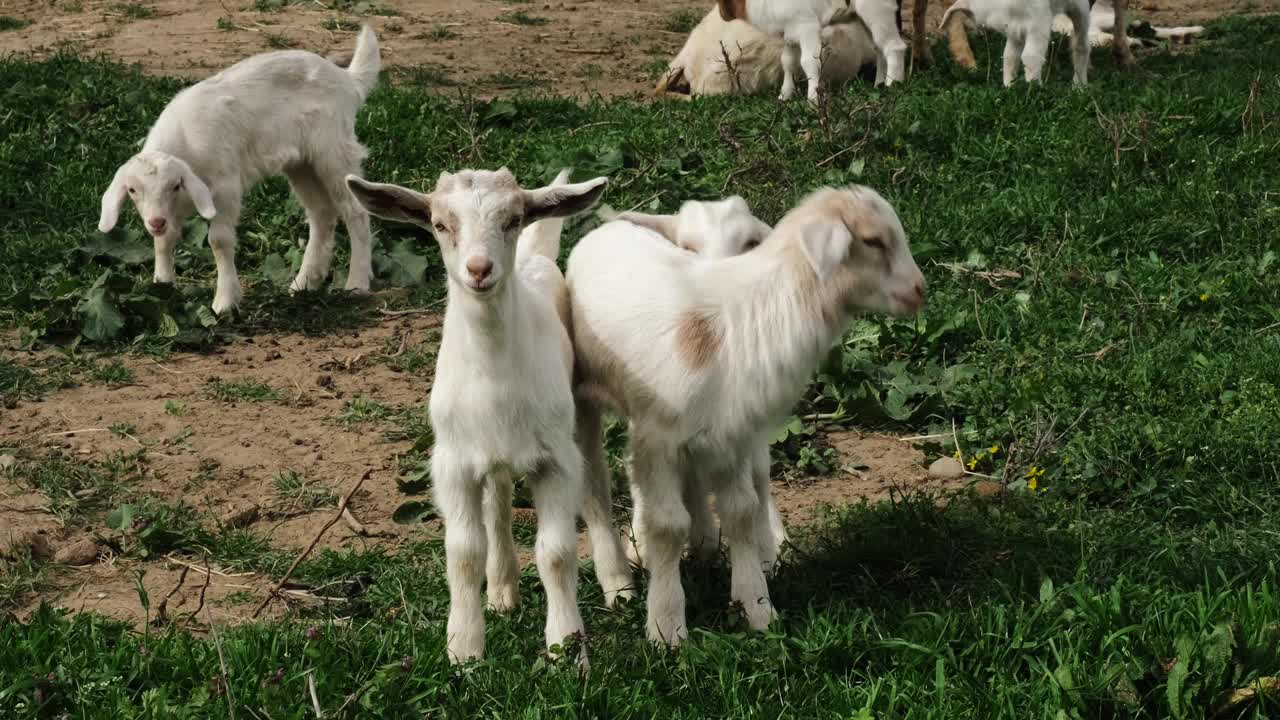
698 338
958 40
732 9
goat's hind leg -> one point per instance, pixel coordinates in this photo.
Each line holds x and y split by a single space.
607 552
1079 14
502 572
790 66
740 507
322 220
662 513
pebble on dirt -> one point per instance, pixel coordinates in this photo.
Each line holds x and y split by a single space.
80 552
946 469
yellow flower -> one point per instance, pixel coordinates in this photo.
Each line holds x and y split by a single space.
1035 472
994 449
973 463
1031 484
957 454
1204 297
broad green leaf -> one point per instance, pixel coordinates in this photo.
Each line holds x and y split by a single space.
121 518
102 320
277 269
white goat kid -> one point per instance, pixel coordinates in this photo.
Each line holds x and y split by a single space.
712 230
502 403
703 356
800 24
1028 27
289 112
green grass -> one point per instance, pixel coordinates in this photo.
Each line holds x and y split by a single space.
1132 358
241 391
295 492
436 33
681 21
8 22
134 11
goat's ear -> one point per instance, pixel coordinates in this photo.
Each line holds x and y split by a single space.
732 9
392 202
199 194
826 245
112 199
562 200
664 225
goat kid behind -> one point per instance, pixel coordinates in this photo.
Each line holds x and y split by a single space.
703 357
1028 27
501 403
288 113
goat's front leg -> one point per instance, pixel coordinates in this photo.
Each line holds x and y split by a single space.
662 514
597 509
222 240
1079 14
790 66
740 507
502 572
888 41
1012 55
322 219
811 60
1120 34
1035 51
459 494
557 495
770 533
165 246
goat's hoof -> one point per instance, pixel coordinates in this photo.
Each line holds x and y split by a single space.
615 599
221 305
503 600
670 632
760 615
461 653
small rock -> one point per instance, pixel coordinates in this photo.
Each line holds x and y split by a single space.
988 488
7 461
80 552
324 381
239 516
946 469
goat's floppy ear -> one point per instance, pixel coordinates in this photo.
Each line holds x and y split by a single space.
112 199
392 202
199 193
664 225
732 9
562 200
826 245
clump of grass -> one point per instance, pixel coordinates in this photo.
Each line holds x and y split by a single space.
681 21
8 22
111 373
341 24
361 410
279 42
241 391
295 492
73 486
439 32
521 17
134 11
226 25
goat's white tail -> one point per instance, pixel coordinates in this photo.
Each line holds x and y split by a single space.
366 62
543 237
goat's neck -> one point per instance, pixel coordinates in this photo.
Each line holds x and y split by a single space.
488 323
779 324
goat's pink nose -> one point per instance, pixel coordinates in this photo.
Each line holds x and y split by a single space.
479 268
157 224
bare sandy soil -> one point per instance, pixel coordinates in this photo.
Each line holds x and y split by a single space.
484 47
219 457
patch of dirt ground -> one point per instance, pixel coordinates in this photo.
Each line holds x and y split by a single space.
218 456
484 47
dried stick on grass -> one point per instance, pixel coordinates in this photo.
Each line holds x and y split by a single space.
342 506
162 615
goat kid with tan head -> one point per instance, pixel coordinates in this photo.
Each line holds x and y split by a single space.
704 358
501 403
712 230
288 113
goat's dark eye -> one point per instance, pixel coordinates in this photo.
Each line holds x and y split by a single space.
441 228
514 224
131 191
751 245
874 242
178 186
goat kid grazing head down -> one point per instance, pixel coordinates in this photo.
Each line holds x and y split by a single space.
476 216
164 190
